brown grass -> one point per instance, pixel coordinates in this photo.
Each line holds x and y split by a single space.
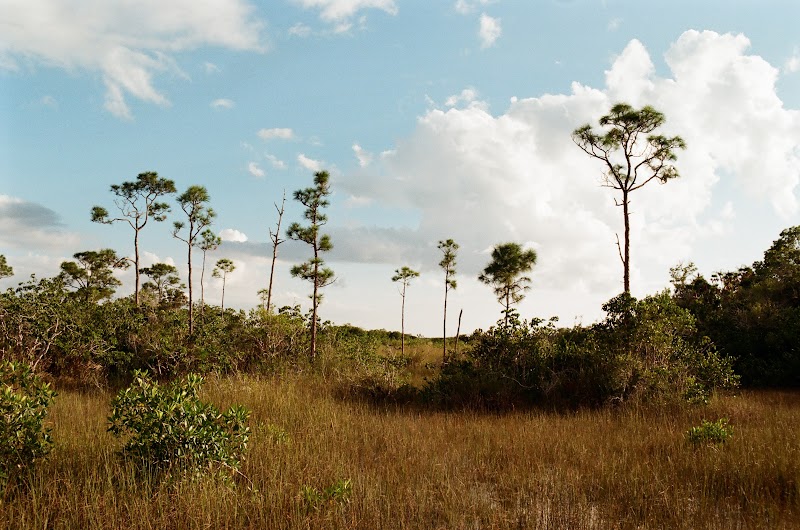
414 469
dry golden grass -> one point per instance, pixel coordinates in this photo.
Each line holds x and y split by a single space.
416 469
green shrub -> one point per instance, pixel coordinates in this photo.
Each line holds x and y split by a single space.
337 494
24 400
170 429
710 432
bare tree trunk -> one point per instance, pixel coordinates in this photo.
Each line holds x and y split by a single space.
136 266
202 286
222 303
444 325
627 259
275 242
191 308
403 323
458 330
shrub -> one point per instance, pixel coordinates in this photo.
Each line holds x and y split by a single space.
170 429
710 432
24 400
337 494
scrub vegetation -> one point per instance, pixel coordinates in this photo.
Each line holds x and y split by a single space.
677 410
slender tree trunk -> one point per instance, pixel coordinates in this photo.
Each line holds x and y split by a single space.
444 324
627 259
403 322
222 303
508 306
202 286
314 305
136 266
275 242
191 308
458 330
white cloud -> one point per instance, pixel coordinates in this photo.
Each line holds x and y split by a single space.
465 7
49 101
279 133
490 30
276 162
230 234
469 95
614 24
792 64
222 103
341 10
309 163
128 43
300 30
483 179
254 170
211 68
364 158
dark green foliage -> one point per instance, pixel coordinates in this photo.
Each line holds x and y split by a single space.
91 275
505 274
753 314
24 440
314 270
645 351
169 429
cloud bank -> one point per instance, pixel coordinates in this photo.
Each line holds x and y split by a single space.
128 43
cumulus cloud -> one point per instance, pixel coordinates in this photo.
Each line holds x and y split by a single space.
339 11
276 133
254 170
127 43
489 31
482 179
309 163
229 234
222 103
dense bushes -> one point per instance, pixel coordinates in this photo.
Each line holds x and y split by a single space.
753 314
645 351
24 440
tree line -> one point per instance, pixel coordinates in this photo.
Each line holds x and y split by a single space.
750 314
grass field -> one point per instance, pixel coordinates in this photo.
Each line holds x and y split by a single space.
411 468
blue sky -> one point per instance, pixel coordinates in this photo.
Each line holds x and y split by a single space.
436 120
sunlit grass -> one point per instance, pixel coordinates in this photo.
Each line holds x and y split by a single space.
412 468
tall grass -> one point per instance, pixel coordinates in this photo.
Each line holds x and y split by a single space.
416 469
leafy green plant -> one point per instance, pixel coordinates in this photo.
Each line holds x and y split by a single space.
710 432
171 429
338 494
24 400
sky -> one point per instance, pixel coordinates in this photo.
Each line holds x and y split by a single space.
435 119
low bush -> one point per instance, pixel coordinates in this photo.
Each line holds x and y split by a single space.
170 429
710 432
24 440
